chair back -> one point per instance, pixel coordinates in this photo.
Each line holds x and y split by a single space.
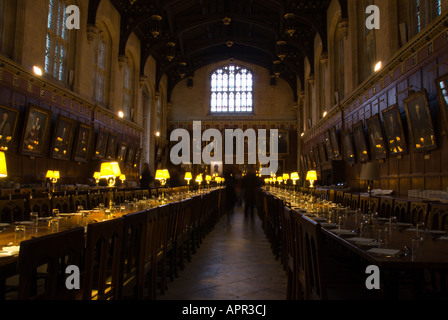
401 210
12 210
103 260
438 217
79 200
133 255
62 203
57 251
311 238
40 205
418 212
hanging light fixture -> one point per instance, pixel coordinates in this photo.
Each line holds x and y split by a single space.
276 68
290 27
156 25
183 69
170 53
281 49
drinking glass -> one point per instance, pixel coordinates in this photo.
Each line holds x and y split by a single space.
53 224
20 234
417 248
34 217
382 238
55 213
420 226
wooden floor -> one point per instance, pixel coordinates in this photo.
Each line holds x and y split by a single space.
234 262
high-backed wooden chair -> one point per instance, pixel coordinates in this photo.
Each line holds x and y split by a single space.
150 255
40 205
364 204
354 202
138 194
339 196
347 199
386 208
300 262
62 203
55 252
119 196
418 212
438 217
103 260
12 210
401 210
311 239
80 200
95 199
133 255
332 195
290 252
129 195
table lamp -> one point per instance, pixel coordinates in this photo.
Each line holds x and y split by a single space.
294 177
188 177
208 179
199 180
122 178
311 176
97 177
110 171
370 172
3 170
285 178
54 176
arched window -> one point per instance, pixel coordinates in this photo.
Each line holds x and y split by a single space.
128 89
101 67
339 64
57 41
231 90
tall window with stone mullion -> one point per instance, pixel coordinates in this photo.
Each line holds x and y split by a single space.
56 41
231 90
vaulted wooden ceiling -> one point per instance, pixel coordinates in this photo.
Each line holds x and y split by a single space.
184 35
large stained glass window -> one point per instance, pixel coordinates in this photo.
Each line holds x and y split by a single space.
231 90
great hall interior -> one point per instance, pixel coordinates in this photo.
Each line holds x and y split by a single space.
95 206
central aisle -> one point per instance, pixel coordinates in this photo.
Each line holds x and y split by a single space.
234 262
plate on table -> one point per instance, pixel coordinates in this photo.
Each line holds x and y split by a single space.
328 225
2 225
384 252
66 214
318 219
24 222
342 232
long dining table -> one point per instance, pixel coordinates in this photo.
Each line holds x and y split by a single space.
12 234
394 247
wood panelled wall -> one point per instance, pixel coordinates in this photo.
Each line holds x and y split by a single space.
415 67
19 89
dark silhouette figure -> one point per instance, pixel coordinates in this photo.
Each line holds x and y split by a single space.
146 177
250 185
230 192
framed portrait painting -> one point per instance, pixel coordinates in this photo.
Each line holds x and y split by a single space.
283 143
360 142
101 144
63 138
137 157
36 131
83 143
111 149
442 89
130 155
328 147
376 136
420 121
347 145
393 128
122 153
334 143
8 123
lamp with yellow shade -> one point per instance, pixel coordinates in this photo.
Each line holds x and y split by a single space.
162 175
188 177
110 171
54 176
122 178
311 176
295 177
208 179
199 180
97 177
3 169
